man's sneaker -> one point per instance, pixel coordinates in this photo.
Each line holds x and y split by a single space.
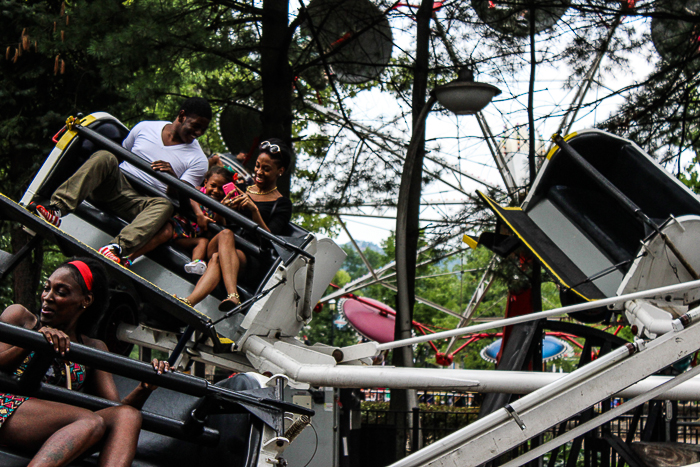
114 252
52 215
197 266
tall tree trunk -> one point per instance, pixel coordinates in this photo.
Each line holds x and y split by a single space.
27 274
276 75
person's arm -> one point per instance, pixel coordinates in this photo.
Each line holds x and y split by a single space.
244 202
195 171
193 174
276 223
281 216
128 142
102 383
11 356
163 166
203 220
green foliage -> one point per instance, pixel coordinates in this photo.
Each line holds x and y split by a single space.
384 406
317 223
6 295
690 176
449 283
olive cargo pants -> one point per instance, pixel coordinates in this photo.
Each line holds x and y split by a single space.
100 179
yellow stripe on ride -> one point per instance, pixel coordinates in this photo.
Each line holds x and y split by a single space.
70 134
493 205
555 147
471 243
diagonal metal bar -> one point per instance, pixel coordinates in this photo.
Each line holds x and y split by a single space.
425 301
365 281
570 116
501 165
359 251
525 418
603 418
543 314
503 169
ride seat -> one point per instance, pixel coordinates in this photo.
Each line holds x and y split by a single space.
238 446
614 231
78 151
260 260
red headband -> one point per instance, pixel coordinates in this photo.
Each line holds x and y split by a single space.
84 271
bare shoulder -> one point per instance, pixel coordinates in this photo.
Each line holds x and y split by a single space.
19 316
95 343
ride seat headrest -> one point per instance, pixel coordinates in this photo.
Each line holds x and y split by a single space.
108 130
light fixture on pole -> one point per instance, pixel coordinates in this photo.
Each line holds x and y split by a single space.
462 96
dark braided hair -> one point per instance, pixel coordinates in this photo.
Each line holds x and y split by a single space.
100 293
218 170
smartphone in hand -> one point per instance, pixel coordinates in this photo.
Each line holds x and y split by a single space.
229 187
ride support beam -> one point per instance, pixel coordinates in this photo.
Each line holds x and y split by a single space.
529 416
659 291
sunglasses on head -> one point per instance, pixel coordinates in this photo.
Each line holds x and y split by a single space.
271 148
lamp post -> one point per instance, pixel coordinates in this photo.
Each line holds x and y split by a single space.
462 96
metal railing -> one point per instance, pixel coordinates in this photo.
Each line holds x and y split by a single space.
441 414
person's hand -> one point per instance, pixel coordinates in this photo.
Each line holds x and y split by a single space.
59 339
203 221
230 196
160 367
163 166
243 202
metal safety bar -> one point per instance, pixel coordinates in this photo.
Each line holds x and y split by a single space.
106 361
156 423
660 291
191 192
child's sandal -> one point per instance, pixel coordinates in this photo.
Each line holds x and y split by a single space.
228 303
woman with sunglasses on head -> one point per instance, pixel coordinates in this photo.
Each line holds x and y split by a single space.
72 300
262 203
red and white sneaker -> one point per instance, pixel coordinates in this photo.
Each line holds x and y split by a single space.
51 215
114 252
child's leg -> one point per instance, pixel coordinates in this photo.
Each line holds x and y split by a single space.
164 234
225 245
187 243
200 249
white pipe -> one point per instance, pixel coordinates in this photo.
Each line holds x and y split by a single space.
539 315
654 321
481 381
352 376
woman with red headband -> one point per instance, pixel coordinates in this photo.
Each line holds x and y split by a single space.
71 301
